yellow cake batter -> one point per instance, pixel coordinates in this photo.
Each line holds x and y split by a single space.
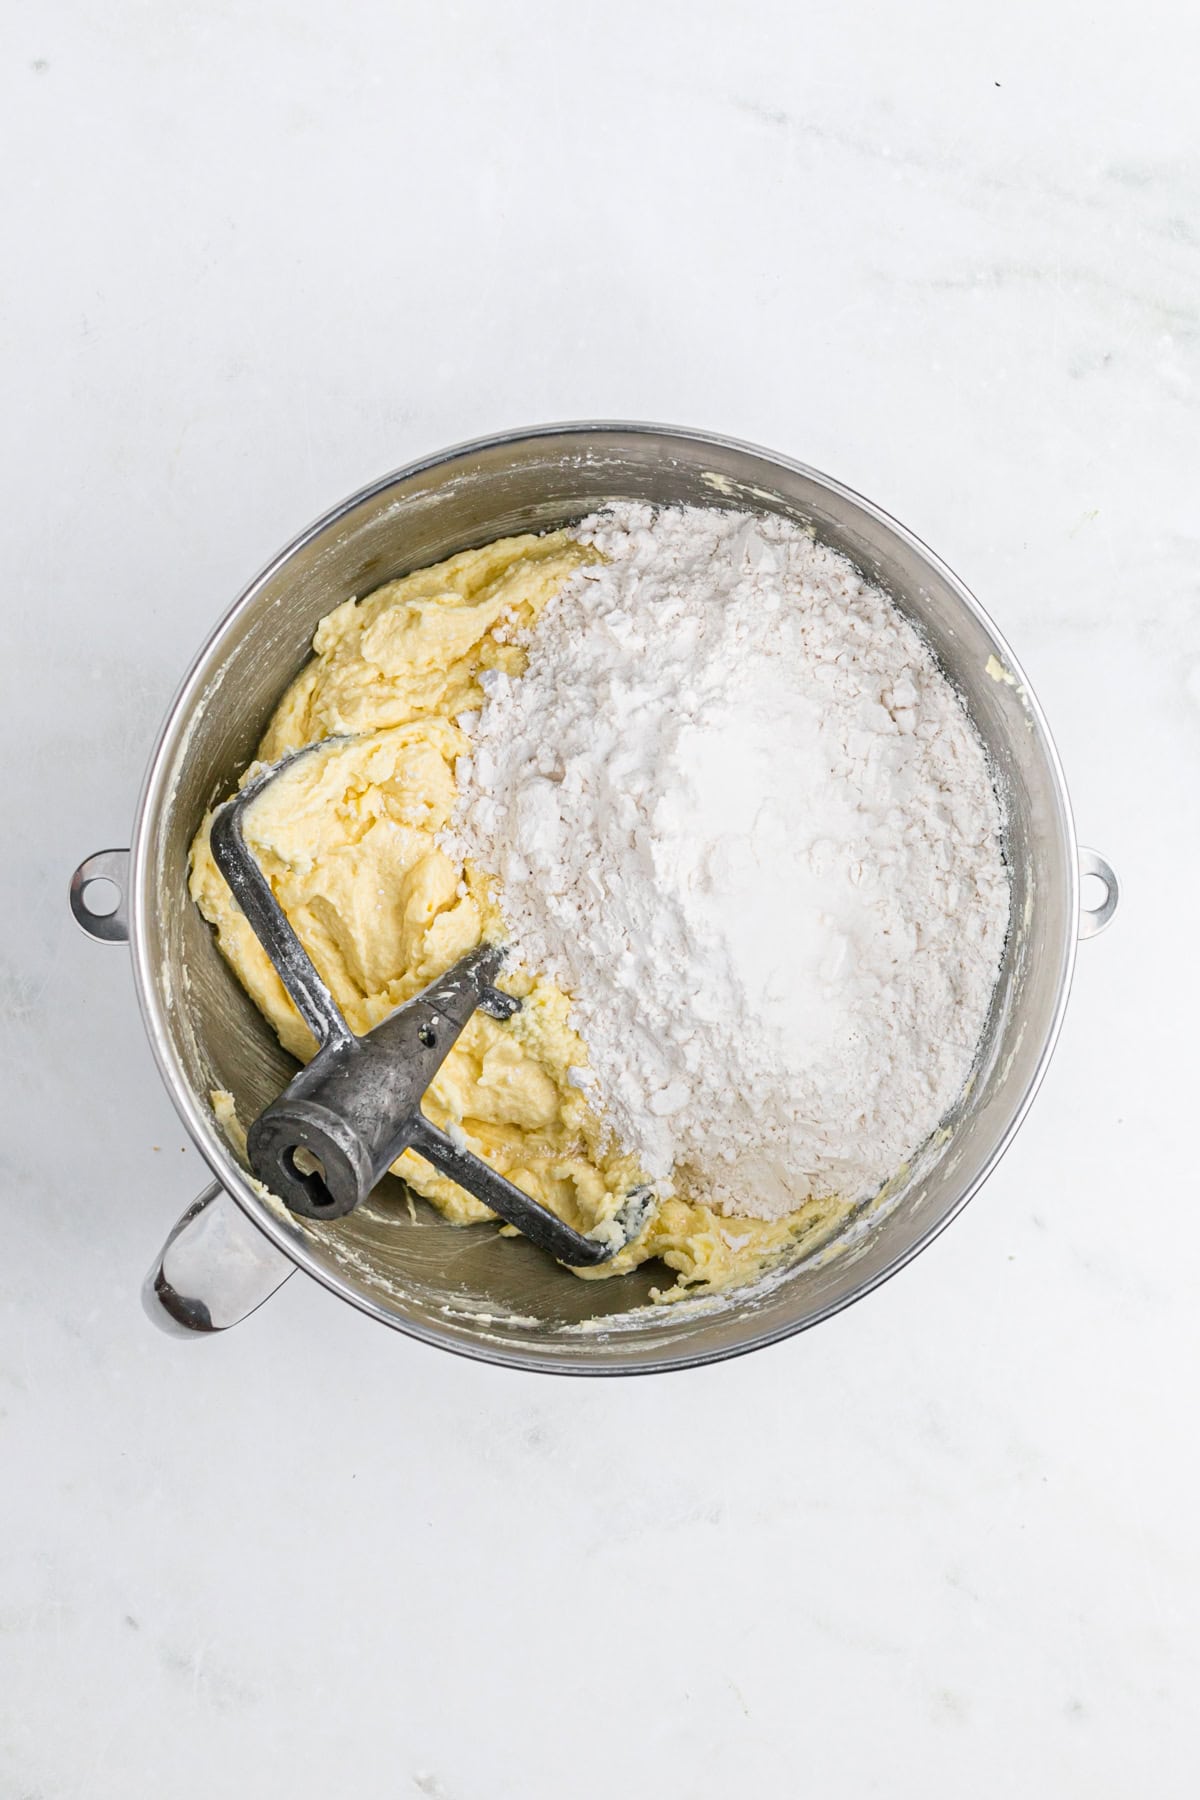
348 840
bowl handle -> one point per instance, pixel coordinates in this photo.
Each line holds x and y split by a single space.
111 869
215 1268
1093 919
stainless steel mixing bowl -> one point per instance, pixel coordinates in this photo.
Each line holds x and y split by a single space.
469 1290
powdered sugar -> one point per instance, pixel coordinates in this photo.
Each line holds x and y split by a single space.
738 813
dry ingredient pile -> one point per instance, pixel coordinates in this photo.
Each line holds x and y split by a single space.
735 825
737 812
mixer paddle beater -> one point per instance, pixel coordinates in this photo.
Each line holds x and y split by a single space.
332 1134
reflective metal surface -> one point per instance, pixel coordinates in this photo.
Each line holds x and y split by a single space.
215 1268
469 1291
1094 919
109 867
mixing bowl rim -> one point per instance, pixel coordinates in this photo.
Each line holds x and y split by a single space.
202 1124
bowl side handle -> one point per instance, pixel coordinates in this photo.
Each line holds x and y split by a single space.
1093 919
214 1269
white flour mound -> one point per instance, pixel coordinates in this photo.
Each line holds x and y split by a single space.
740 816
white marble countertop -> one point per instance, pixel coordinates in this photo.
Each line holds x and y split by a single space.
258 254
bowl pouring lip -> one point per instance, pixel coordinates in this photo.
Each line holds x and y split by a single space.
203 1127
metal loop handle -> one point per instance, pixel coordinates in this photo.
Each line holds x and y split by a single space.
1094 919
214 1269
110 866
